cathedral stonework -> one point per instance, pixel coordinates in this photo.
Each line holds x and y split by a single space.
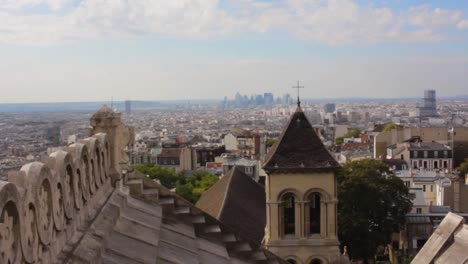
44 205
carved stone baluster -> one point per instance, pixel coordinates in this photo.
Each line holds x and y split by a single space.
10 247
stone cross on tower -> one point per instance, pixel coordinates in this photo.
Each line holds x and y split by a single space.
298 87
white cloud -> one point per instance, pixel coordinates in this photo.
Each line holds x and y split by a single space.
331 22
20 4
424 16
463 24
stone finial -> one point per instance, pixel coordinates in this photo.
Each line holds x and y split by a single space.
118 134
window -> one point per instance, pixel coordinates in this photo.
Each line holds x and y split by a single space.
436 154
415 164
420 243
291 261
415 154
445 154
418 210
288 214
402 157
314 213
432 188
248 170
316 261
436 164
425 164
425 154
172 161
407 184
395 245
424 188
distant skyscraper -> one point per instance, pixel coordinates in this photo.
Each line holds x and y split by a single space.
259 100
329 108
128 107
238 100
429 104
286 99
268 98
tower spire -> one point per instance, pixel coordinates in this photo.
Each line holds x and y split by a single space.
298 87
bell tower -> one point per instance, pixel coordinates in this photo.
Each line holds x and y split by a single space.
301 196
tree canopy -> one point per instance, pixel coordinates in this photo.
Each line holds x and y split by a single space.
270 142
372 205
167 176
463 168
391 126
190 188
339 140
355 133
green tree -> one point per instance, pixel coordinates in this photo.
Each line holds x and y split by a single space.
373 204
167 176
391 126
355 133
191 188
463 168
270 142
339 140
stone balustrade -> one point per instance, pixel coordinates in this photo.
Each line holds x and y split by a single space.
44 206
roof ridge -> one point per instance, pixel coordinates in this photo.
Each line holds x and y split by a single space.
226 193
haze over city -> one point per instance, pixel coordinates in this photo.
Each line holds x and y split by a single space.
90 50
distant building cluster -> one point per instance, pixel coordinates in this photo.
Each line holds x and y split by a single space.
266 99
421 143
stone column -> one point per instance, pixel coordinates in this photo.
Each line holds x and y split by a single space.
119 136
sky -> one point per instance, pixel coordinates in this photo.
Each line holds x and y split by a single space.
92 50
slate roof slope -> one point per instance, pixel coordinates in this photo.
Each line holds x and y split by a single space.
447 244
146 223
299 148
239 202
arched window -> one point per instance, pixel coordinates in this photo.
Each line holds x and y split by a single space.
314 213
316 261
292 261
288 214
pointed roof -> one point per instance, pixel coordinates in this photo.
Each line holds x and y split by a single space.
105 109
299 148
239 202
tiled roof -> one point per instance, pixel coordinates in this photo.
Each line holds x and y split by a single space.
239 202
299 148
447 244
154 225
428 146
170 153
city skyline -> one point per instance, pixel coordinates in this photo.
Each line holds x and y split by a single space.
69 50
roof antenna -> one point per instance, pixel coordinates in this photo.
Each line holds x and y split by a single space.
298 87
